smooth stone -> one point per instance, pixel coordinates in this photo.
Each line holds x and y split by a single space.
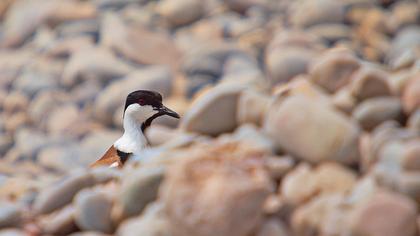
295 124
252 107
199 82
11 62
63 118
23 18
243 5
374 111
411 94
112 98
181 12
103 175
240 64
152 223
60 222
252 135
43 103
331 33
60 157
414 121
206 187
88 27
408 184
31 82
318 181
138 188
214 112
278 166
93 211
10 215
273 227
386 214
62 193
308 13
138 43
334 69
12 232
93 63
314 216
65 47
15 101
369 83
285 63
406 40
159 134
344 101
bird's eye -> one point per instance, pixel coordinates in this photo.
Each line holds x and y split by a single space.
141 102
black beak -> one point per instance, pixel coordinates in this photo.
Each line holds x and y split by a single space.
166 111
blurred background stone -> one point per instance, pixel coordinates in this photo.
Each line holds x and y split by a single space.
297 117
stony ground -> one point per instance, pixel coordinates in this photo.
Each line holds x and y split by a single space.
299 118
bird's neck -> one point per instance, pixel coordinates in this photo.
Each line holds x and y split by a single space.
133 140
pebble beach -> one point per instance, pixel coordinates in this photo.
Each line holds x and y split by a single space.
298 118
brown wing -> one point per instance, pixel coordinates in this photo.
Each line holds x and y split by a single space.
110 157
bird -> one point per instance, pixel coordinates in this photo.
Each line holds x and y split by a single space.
141 108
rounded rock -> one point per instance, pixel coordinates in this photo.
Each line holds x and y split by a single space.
334 70
138 188
368 83
389 214
62 193
373 112
93 211
181 12
411 94
285 63
214 112
295 124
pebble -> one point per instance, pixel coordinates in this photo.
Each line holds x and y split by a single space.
284 64
153 222
386 214
369 83
60 222
273 227
23 18
273 96
308 13
411 94
192 189
373 112
406 40
252 107
10 215
94 63
93 211
414 121
137 190
295 124
63 118
138 43
318 181
181 12
214 112
334 69
62 193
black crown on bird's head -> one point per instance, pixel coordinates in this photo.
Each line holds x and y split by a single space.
149 98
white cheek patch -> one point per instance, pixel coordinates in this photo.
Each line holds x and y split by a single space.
140 113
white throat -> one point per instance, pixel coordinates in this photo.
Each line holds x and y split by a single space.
133 140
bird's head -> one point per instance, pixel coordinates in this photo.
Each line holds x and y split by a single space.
144 106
